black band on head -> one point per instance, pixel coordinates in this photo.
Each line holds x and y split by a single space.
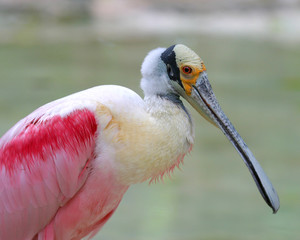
169 58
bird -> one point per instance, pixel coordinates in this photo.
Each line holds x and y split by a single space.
66 166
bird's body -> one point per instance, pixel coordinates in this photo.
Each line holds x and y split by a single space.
86 154
66 166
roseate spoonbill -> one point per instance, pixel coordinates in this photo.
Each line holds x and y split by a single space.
65 167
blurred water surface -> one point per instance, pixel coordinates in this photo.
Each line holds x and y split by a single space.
257 82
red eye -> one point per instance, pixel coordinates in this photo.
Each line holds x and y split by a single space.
187 70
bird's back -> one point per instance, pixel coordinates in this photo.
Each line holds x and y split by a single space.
49 185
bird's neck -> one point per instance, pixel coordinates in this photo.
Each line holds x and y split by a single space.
156 141
172 98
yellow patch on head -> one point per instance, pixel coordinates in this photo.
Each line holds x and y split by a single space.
190 66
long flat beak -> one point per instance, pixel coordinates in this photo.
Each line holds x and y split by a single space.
204 101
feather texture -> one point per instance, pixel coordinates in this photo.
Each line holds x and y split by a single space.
65 167
42 167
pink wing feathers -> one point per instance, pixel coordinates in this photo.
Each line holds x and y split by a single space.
43 163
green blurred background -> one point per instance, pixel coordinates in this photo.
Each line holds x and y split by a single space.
52 48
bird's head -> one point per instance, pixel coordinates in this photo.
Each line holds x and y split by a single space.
175 70
179 70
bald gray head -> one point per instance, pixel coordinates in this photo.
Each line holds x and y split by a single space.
164 71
